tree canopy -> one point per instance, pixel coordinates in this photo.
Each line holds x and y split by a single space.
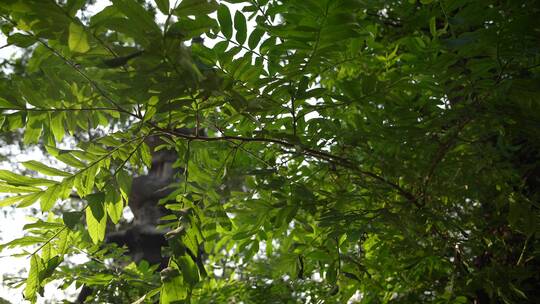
341 150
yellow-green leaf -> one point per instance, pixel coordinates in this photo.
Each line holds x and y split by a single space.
7 188
57 125
49 197
62 241
41 168
90 175
33 128
30 199
32 282
124 181
19 180
8 201
78 39
173 290
96 217
115 204
146 155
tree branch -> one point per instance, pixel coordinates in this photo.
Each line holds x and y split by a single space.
334 159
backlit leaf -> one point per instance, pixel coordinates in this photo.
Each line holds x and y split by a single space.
44 169
124 182
96 217
114 204
49 197
32 281
19 180
78 39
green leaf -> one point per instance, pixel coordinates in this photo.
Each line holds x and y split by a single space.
195 7
57 125
346 128
24 241
267 45
319 255
313 93
33 128
96 217
7 188
330 35
124 180
190 28
331 273
50 266
32 281
163 6
173 290
241 27
49 197
369 84
189 270
30 199
72 218
13 121
67 157
138 16
41 168
89 178
42 225
225 20
145 155
8 201
78 40
19 180
519 292
5 104
63 241
255 38
73 6
115 204
433 27
21 40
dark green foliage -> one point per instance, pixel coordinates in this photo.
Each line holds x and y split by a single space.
386 151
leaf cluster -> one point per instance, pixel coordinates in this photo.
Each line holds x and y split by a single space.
370 150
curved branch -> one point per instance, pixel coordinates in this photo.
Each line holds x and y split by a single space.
334 159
